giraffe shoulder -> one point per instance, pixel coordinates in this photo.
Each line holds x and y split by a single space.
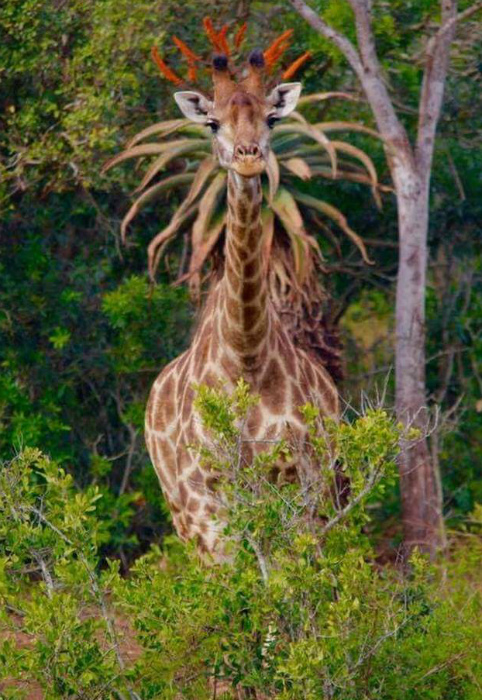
161 406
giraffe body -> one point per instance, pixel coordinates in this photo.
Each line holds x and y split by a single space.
240 333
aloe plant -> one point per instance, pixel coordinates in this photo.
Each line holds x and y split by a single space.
300 151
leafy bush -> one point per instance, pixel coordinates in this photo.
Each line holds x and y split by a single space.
49 529
80 346
299 608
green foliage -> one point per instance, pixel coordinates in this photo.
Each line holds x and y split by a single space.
297 608
80 349
47 525
141 316
75 75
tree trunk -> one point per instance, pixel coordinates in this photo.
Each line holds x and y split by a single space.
410 168
421 497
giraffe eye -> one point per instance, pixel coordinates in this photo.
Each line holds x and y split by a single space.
271 121
214 126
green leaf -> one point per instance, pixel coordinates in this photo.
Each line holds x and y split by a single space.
336 216
286 209
60 338
161 129
151 194
172 150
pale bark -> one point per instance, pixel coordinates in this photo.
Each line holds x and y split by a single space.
421 499
410 168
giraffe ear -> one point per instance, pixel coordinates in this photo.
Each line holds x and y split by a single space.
193 105
284 99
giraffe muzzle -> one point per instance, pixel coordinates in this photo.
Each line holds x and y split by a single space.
248 160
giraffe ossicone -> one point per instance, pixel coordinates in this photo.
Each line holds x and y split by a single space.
240 334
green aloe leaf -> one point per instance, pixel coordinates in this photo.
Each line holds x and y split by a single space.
311 132
286 209
174 150
348 126
367 162
335 215
299 167
160 240
272 169
151 194
161 128
207 206
205 169
147 149
208 242
321 96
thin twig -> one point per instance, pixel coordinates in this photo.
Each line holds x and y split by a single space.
49 584
260 557
374 477
112 633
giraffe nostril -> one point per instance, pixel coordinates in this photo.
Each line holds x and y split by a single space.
242 151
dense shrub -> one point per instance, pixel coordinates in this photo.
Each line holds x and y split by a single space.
80 346
299 608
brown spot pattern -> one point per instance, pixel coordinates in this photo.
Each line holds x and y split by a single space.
273 387
239 335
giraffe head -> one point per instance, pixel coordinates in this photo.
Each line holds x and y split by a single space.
241 114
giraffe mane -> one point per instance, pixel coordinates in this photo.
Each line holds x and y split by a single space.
305 311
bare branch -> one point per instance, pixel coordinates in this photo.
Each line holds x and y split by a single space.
372 480
46 575
374 86
447 26
437 56
96 590
456 176
444 664
365 38
46 522
365 64
260 557
130 457
344 44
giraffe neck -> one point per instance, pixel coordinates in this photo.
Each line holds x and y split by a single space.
244 311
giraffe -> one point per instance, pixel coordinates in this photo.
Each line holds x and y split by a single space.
240 334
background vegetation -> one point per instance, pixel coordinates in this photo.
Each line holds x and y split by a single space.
83 335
